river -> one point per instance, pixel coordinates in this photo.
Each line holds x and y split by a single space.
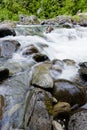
61 43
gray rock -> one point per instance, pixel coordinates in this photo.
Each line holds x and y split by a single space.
41 75
8 47
78 121
38 110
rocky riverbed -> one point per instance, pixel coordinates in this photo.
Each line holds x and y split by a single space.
33 93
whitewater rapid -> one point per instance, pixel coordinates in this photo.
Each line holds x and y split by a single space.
62 43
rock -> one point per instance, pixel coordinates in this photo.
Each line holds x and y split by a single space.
49 29
61 113
41 76
38 116
56 68
28 50
49 22
67 25
38 57
14 91
4 73
2 104
5 30
56 125
67 91
23 19
8 47
61 107
13 67
61 19
78 121
69 62
83 70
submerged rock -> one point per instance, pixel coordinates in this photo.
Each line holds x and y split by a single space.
69 62
38 115
8 47
56 68
28 50
41 76
67 91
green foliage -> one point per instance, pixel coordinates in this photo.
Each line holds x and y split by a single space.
11 9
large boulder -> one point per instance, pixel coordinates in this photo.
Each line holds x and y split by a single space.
8 47
14 92
41 75
38 110
67 91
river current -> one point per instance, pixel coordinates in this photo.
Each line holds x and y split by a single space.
61 43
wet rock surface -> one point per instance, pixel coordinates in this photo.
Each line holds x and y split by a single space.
28 50
67 91
6 30
37 116
40 57
41 76
8 47
83 70
35 96
78 121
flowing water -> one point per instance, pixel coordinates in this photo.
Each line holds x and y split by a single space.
60 44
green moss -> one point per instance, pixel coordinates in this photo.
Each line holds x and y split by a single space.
49 104
76 17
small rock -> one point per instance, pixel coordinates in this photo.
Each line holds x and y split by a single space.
61 107
8 47
28 50
6 31
40 57
56 125
49 29
4 74
83 70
